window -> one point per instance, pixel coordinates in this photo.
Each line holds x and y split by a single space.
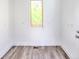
36 13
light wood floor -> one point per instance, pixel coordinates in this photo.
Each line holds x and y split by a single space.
29 52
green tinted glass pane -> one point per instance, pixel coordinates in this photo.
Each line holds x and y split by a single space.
36 13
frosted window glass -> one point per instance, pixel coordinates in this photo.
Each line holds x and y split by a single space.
36 13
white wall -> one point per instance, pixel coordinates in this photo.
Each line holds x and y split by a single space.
11 19
5 39
48 35
70 24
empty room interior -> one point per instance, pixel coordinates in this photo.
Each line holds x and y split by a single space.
39 29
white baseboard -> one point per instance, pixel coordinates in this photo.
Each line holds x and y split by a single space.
4 50
35 44
67 52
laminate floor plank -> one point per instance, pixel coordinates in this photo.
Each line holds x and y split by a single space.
40 52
